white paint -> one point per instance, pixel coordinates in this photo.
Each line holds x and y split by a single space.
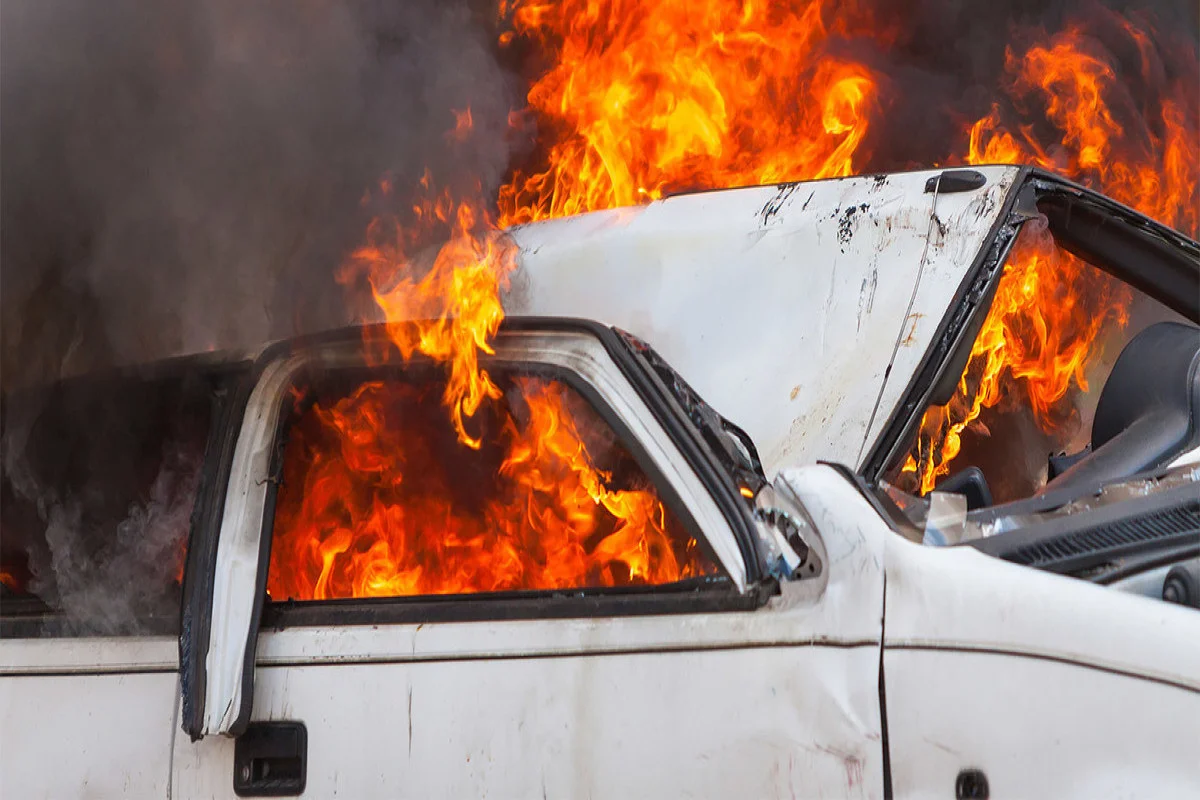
84 717
782 325
960 597
775 702
1052 686
236 567
90 654
1032 677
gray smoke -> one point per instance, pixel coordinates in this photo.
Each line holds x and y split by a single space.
181 175
107 582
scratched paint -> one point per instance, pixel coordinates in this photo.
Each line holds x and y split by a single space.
749 292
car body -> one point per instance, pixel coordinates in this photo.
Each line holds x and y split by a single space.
836 655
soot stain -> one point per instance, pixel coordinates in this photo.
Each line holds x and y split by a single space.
773 206
847 223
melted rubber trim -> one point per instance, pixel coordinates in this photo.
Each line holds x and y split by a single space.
973 296
1161 262
717 596
1072 662
699 456
200 567
673 420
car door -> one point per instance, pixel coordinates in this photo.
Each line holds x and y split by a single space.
100 478
713 678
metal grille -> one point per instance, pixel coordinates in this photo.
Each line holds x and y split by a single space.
1158 527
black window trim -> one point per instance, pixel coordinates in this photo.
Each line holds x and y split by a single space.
1165 266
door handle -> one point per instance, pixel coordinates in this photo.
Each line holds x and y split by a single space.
271 760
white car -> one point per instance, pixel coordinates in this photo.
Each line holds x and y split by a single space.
802 623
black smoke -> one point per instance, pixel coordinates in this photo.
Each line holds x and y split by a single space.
180 175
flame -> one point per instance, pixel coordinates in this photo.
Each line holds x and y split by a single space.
647 96
1044 330
453 311
1036 344
371 506
638 99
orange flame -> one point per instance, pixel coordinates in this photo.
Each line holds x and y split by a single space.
453 311
7 579
645 96
640 99
370 505
1041 335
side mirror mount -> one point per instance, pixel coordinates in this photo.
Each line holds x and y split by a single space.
787 535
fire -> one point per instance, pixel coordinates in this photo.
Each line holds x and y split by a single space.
1037 342
1041 335
373 503
635 99
455 305
647 96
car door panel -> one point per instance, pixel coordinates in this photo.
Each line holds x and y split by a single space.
780 699
703 723
108 706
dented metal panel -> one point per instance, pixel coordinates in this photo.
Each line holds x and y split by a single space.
782 305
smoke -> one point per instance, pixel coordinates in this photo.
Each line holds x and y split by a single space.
98 485
118 582
185 175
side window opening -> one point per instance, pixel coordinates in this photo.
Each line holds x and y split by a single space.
378 499
1023 410
97 490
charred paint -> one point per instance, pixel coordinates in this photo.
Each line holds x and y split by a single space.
772 207
847 222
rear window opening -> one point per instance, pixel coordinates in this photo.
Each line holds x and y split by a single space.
1023 411
98 484
378 498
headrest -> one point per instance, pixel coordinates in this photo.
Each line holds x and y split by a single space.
1156 375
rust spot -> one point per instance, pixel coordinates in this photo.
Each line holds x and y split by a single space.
911 338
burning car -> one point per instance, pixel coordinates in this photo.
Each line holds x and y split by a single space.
793 519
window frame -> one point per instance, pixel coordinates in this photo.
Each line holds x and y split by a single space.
1130 247
462 607
222 646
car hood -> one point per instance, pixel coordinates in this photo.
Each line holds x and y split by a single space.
799 311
